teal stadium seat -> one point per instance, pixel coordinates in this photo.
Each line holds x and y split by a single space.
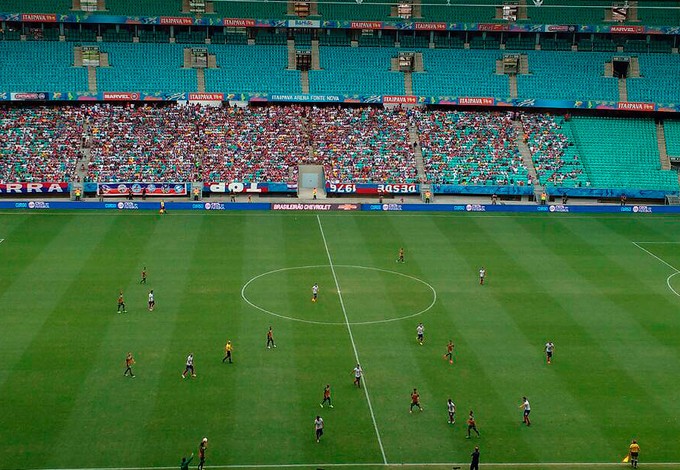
672 131
147 68
453 72
621 153
40 66
582 71
659 80
251 69
363 70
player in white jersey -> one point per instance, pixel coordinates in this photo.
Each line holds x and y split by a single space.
482 275
451 406
358 371
420 331
527 410
189 369
549 348
152 302
315 292
318 427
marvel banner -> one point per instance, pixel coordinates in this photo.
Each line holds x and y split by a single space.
142 189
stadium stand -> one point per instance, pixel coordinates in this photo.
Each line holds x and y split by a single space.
363 70
468 148
251 69
253 144
350 9
452 72
621 153
39 144
584 72
363 145
659 79
553 152
43 66
142 143
672 132
147 68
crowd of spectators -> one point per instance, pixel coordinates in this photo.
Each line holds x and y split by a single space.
39 144
254 144
552 151
363 145
153 143
143 143
470 148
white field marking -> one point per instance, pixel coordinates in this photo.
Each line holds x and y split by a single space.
371 322
668 279
351 337
2 240
448 465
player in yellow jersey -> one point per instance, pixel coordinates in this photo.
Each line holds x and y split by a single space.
228 348
634 450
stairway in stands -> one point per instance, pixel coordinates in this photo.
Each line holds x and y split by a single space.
524 151
420 163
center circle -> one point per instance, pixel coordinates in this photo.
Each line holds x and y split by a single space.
368 295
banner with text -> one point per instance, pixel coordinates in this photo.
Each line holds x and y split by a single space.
371 188
142 189
35 188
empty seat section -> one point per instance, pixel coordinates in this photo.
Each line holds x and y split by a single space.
148 68
621 153
672 132
453 72
351 10
659 80
251 69
40 66
362 70
568 76
250 9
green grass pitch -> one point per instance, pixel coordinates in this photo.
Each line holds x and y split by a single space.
601 287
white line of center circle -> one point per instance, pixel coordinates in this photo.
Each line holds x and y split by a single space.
315 322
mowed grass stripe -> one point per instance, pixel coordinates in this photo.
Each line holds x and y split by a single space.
527 283
106 397
60 351
615 351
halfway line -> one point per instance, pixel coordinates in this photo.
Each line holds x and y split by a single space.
351 337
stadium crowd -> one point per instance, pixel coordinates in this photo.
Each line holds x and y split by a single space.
363 145
552 151
39 144
470 148
258 144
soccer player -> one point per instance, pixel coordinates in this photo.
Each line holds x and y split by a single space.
420 331
121 303
152 302
549 348
327 396
451 406
201 452
482 275
315 292
189 369
415 401
227 352
401 255
474 462
184 464
449 352
358 371
162 211
318 427
270 338
472 425
143 280
634 450
527 411
129 362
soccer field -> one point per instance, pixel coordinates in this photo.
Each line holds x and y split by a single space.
604 289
